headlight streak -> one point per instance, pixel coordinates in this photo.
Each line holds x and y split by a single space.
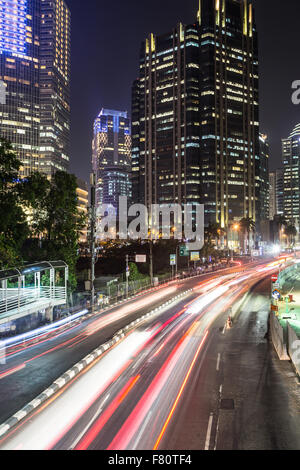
180 393
136 417
106 415
194 308
44 329
125 311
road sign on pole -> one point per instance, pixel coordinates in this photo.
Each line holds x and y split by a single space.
183 250
172 260
276 294
141 259
195 256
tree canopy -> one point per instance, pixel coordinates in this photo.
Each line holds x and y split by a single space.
39 218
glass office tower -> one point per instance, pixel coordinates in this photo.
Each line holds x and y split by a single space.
112 157
264 189
291 164
195 128
55 86
35 69
19 71
229 111
166 119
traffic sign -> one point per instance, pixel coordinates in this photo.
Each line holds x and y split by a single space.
183 250
172 260
274 278
276 294
141 259
195 256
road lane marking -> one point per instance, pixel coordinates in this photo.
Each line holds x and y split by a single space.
208 434
142 430
218 362
99 410
217 432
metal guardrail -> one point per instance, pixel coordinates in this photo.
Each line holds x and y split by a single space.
15 299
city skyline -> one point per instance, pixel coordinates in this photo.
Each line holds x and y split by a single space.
157 307
110 90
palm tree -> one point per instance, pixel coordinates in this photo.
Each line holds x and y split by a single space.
214 232
281 223
247 226
291 232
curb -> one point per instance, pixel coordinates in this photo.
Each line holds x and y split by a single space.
79 367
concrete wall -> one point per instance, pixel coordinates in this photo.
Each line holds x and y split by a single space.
277 335
294 348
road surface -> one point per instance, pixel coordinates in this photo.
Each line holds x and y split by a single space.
181 380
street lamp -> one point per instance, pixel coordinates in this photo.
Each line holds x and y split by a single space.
236 228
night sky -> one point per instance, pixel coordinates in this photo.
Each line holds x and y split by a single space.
106 38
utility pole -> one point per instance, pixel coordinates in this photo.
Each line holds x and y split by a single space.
127 275
151 260
93 237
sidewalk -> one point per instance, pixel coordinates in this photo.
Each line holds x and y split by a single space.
291 311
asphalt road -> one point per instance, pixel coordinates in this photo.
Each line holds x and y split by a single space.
242 397
29 369
179 381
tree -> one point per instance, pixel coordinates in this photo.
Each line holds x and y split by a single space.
214 232
135 275
34 193
63 221
281 223
291 233
248 226
55 220
13 224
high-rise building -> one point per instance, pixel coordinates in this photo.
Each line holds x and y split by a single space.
280 191
20 72
166 119
35 69
82 205
291 165
195 123
229 110
55 66
276 193
263 201
112 157
272 195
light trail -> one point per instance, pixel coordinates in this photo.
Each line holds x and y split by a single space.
179 394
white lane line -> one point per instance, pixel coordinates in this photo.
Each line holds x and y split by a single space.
217 432
74 444
208 434
221 389
142 430
224 329
218 362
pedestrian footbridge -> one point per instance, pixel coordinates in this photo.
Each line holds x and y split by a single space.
31 289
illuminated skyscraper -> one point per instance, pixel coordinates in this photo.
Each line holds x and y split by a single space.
166 119
230 161
35 68
19 70
263 201
55 86
276 179
195 129
291 164
112 157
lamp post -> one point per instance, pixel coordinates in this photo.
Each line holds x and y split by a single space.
93 236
